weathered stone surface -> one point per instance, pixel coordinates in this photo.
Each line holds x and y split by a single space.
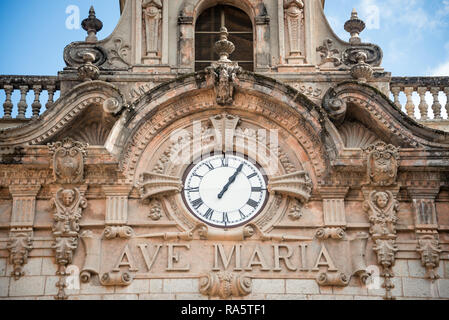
420 288
2 267
302 286
27 286
268 286
286 297
180 286
137 286
418 271
443 288
159 296
4 286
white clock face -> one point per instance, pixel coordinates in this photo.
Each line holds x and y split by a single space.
225 190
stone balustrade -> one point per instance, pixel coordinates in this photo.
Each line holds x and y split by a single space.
422 98
24 85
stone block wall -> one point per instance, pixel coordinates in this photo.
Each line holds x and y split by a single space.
39 283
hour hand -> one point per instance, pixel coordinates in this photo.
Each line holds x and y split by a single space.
231 181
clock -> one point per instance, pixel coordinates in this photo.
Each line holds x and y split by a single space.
225 191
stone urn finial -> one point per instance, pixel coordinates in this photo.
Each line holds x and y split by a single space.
92 25
224 47
362 71
88 71
355 26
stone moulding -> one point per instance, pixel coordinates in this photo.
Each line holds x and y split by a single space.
225 285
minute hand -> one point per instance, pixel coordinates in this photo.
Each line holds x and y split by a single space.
231 181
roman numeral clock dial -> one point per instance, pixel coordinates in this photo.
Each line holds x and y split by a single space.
225 191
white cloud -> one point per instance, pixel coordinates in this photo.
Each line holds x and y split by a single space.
442 70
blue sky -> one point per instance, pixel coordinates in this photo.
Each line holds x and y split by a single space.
414 34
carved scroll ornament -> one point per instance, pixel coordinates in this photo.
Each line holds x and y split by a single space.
225 285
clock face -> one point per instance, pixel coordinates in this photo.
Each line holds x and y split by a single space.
225 190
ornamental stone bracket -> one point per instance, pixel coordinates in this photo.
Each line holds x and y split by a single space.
20 241
152 185
297 185
225 285
19 245
69 204
429 249
116 216
382 207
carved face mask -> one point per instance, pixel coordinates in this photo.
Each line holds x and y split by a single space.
67 198
381 200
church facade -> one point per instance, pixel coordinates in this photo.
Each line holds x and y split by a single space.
222 149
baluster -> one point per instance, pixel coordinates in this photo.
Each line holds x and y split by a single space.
436 106
396 91
409 106
36 106
22 105
446 91
423 106
51 92
7 106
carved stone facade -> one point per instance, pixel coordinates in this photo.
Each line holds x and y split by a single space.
299 180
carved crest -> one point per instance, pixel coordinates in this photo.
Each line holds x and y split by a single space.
225 285
68 160
382 164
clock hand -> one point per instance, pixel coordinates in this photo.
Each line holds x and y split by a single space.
231 181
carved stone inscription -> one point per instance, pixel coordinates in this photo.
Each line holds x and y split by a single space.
300 259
